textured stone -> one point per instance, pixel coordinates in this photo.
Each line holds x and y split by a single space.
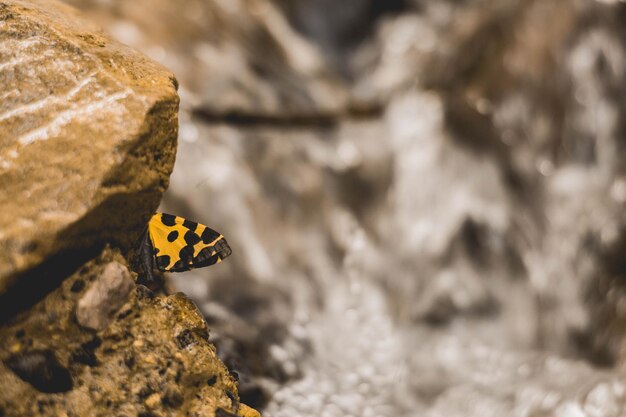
104 297
87 136
154 357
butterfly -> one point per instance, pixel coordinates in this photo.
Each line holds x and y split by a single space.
175 244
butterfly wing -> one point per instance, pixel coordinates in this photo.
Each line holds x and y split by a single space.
180 245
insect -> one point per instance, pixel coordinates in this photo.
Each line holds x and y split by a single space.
174 244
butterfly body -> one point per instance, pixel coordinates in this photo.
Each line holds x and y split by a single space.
174 244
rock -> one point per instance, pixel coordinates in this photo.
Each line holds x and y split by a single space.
341 30
153 400
41 369
508 129
87 137
239 59
244 411
104 297
135 365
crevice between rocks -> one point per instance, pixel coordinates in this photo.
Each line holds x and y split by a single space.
33 285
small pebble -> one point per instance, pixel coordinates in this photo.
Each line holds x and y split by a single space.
104 297
153 400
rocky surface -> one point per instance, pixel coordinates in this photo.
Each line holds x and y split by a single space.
153 359
87 136
88 131
453 247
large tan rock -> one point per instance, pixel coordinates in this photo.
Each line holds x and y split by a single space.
87 135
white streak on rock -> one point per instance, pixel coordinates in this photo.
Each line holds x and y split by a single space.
40 104
67 116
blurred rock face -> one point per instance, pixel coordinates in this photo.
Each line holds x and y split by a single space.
540 118
455 250
235 58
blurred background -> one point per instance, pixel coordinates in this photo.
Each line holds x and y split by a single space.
425 198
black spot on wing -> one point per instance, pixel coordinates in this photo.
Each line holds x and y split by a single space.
209 235
186 261
168 219
179 266
172 236
191 238
222 248
190 225
162 262
186 253
211 254
206 257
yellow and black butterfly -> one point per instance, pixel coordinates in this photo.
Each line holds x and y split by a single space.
174 244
